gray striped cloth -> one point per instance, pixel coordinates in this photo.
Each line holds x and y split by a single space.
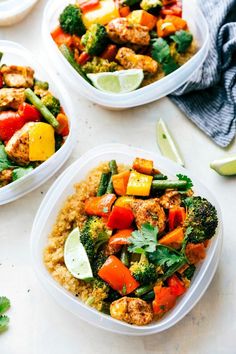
209 98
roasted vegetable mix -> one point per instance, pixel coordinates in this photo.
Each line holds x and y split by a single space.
33 124
109 36
143 236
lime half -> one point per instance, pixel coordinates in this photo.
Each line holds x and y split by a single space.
76 258
167 144
225 166
121 81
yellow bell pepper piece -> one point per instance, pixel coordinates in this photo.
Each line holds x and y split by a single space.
124 202
41 141
139 184
102 14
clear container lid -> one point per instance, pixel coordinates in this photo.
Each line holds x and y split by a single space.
12 11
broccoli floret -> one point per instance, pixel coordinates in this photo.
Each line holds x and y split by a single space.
100 259
129 2
143 271
52 103
40 87
93 236
201 221
71 20
152 6
112 295
188 273
99 65
95 39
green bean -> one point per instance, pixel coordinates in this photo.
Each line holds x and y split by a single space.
113 169
49 117
160 176
1 55
124 256
143 289
160 185
67 53
104 180
149 296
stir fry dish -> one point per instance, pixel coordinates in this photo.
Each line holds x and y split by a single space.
33 125
128 241
103 37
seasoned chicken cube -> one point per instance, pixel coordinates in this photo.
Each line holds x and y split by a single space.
170 198
17 147
132 310
149 211
129 60
121 31
18 76
5 177
11 98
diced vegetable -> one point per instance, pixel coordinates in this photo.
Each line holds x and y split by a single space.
164 300
125 201
41 142
173 9
120 182
143 166
10 122
139 184
118 276
49 117
110 52
104 180
120 237
99 206
124 11
83 58
87 5
120 218
60 37
176 285
177 216
195 252
179 23
165 28
143 18
102 14
63 128
173 239
29 113
160 185
1 80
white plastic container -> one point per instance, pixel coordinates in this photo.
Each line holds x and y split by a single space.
14 54
13 11
152 92
46 217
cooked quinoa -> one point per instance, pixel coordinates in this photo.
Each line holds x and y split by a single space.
70 216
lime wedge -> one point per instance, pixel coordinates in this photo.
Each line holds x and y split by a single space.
76 258
121 81
225 166
167 144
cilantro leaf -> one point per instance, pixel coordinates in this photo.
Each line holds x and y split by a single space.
21 172
144 240
183 39
160 50
4 321
5 163
189 184
4 304
169 65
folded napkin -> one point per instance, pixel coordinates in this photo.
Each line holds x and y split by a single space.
209 98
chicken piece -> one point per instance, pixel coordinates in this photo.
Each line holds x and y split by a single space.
129 60
149 211
17 147
11 98
18 76
132 310
5 177
170 198
121 31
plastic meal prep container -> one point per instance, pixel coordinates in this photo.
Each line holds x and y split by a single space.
13 11
152 92
14 54
46 218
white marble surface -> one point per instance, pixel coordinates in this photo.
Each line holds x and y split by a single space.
38 325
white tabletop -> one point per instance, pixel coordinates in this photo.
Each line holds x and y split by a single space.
40 326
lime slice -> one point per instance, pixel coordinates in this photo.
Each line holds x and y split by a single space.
121 81
167 144
225 166
76 258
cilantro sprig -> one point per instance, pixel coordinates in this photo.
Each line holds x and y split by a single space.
162 54
189 184
183 39
144 240
4 306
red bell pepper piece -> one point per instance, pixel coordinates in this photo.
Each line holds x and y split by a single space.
164 300
173 10
110 52
63 124
87 5
176 285
118 276
99 206
29 113
177 216
10 122
120 218
83 58
1 80
61 37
